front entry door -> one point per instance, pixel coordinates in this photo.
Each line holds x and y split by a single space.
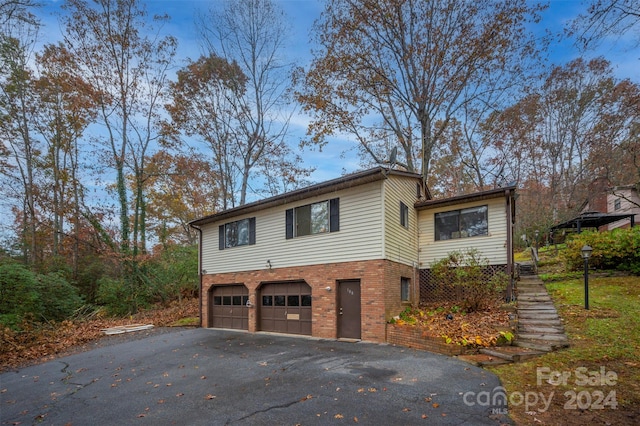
349 309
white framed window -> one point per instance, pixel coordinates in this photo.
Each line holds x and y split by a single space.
617 204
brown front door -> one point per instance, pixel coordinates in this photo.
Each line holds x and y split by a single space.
349 309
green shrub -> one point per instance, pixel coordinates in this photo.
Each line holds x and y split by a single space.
27 295
58 299
174 273
19 294
617 249
118 297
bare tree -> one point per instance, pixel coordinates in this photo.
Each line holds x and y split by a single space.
12 11
401 70
253 35
20 148
577 126
605 18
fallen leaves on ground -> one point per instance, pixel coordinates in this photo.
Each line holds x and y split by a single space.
476 329
46 341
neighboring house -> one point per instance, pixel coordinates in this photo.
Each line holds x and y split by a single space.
341 258
623 200
605 209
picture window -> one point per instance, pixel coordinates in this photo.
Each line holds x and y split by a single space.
471 222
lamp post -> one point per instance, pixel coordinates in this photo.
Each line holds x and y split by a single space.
586 254
537 258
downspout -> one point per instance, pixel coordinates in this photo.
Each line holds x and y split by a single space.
197 228
509 207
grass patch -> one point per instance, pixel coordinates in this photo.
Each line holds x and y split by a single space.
607 336
186 322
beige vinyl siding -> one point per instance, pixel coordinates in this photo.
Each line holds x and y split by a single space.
400 243
359 237
629 202
492 247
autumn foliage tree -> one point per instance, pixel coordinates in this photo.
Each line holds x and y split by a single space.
126 61
577 126
181 187
21 148
206 105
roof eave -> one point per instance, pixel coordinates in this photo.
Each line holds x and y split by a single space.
466 198
347 181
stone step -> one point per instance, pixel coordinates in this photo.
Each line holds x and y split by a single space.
542 322
530 278
534 301
530 283
533 306
512 353
525 328
537 307
539 346
541 314
481 360
551 337
531 288
513 357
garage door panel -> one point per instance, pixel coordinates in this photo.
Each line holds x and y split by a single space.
228 307
286 308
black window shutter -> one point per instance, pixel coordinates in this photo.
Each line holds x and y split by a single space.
252 230
334 214
289 223
221 237
418 191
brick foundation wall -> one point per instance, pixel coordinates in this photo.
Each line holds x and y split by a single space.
414 337
379 290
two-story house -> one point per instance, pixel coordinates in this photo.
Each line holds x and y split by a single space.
340 258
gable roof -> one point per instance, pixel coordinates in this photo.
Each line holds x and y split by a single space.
476 196
343 182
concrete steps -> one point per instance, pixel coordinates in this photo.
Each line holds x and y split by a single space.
539 325
540 329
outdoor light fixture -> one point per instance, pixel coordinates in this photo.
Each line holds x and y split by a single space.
269 264
328 288
586 254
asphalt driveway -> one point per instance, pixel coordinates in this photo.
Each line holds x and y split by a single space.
217 377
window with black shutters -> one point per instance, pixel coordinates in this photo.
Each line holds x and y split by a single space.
238 233
310 219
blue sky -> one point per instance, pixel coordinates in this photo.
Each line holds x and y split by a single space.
332 162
